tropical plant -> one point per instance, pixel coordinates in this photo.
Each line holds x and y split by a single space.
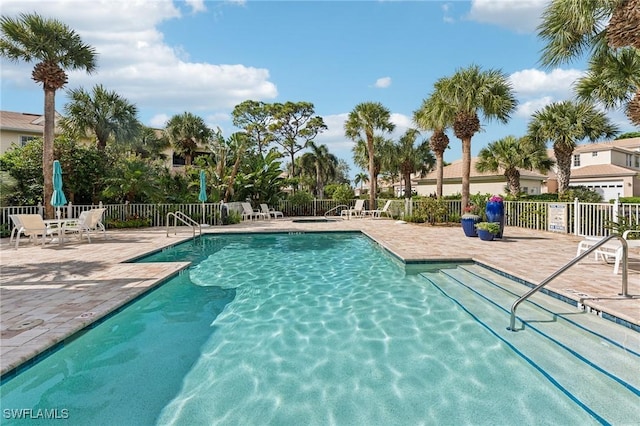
434 115
409 158
323 164
56 48
261 180
238 144
361 125
468 92
102 113
187 132
294 125
511 154
8 185
601 29
343 194
564 124
490 227
132 179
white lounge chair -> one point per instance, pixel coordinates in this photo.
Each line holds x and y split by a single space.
611 251
379 212
33 226
250 214
89 221
356 211
271 212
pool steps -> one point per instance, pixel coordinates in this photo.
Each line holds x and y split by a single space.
555 330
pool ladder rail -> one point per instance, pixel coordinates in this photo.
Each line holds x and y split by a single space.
625 274
340 206
186 220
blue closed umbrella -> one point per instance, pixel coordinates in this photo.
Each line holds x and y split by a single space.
57 198
203 191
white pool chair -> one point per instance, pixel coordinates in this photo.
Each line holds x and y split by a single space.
271 212
610 252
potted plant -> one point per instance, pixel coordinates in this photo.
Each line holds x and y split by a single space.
487 231
494 211
469 220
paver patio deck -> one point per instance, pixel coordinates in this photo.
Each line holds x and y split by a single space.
49 293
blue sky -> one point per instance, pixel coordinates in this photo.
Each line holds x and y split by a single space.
204 57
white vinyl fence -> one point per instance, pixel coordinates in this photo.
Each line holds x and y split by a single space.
594 219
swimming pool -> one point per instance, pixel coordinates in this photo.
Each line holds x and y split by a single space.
302 329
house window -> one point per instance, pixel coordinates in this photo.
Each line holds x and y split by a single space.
594 154
178 160
637 161
576 160
26 139
629 160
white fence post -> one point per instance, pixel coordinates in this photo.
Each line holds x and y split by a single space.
616 207
576 217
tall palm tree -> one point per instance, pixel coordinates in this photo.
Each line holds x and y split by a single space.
360 179
361 124
510 154
564 124
434 115
411 158
103 113
186 132
573 29
468 92
56 48
323 163
361 156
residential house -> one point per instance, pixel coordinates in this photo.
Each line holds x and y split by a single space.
531 182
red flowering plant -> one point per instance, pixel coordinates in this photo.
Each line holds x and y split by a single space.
496 199
471 210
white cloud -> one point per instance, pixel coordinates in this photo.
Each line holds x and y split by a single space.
134 60
520 15
536 89
383 83
526 109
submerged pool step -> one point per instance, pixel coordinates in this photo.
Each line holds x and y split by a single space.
547 339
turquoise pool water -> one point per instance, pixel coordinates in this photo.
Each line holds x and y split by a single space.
279 329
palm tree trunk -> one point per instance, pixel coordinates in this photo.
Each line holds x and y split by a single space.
466 171
564 172
373 184
407 185
232 178
439 174
513 181
47 149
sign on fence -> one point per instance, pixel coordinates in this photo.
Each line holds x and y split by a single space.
558 217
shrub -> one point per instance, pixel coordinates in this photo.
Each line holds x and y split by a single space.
129 222
343 194
300 198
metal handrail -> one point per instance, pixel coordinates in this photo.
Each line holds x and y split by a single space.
625 253
335 208
178 215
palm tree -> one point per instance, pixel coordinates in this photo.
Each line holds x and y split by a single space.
361 178
103 113
361 157
56 48
510 154
433 115
564 124
323 163
186 132
467 92
410 158
613 79
361 124
574 29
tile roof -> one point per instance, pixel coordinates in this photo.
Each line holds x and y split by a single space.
22 121
454 170
602 170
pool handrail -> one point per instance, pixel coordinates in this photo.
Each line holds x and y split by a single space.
625 274
178 215
343 206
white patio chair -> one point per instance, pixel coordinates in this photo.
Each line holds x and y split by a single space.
356 211
271 212
33 226
611 251
379 212
249 213
88 222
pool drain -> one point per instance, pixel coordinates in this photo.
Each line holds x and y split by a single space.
26 325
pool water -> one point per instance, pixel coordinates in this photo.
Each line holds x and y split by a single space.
281 329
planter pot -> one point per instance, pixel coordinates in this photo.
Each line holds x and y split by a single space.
469 225
495 213
485 235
